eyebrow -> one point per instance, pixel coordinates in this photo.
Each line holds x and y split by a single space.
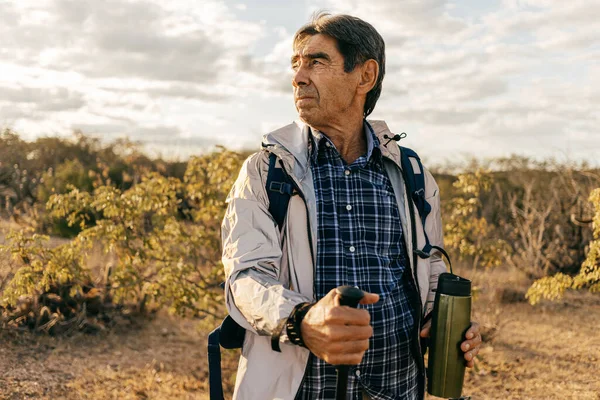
312 56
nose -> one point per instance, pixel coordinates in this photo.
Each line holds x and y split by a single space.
301 76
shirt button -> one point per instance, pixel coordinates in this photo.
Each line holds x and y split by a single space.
348 207
357 372
347 172
327 144
352 249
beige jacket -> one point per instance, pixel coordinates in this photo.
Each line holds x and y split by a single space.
269 272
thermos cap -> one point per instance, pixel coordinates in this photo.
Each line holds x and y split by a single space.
453 285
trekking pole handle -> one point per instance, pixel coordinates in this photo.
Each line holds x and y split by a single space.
349 296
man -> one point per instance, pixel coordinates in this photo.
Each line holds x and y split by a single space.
347 224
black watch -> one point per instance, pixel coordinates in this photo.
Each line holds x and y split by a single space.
294 323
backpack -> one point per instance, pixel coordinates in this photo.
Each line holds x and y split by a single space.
280 188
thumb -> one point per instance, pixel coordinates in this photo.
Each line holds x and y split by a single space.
369 298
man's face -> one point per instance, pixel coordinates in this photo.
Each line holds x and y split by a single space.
323 92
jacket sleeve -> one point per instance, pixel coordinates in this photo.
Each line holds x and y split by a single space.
435 233
256 289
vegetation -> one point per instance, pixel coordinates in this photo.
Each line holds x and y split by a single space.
103 234
157 225
466 231
160 234
554 287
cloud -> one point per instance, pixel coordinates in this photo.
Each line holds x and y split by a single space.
43 99
399 20
463 76
128 39
110 66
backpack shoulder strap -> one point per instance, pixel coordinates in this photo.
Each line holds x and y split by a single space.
214 365
415 184
279 190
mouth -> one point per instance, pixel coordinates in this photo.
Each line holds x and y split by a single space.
303 100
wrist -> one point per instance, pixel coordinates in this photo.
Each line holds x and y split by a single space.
294 323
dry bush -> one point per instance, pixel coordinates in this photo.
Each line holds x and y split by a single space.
540 210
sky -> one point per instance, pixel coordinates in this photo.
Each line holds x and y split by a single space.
464 78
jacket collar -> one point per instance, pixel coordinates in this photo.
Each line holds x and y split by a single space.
290 143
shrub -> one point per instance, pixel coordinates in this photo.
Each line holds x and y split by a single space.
467 232
160 259
554 287
50 289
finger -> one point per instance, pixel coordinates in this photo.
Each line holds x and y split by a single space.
369 298
341 333
332 297
349 347
470 364
470 344
473 330
470 355
354 316
344 315
345 359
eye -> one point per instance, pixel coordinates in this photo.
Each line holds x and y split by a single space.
316 62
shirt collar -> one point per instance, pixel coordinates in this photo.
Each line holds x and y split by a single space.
318 140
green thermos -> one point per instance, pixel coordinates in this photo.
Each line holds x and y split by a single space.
450 322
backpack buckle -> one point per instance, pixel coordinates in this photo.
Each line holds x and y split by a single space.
281 187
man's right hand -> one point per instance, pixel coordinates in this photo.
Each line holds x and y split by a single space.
338 334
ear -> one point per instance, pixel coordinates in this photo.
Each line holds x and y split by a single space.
369 72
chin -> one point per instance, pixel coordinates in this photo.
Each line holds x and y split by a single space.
308 118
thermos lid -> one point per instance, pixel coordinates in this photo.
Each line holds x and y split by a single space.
453 285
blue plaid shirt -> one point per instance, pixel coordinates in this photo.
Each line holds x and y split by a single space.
360 244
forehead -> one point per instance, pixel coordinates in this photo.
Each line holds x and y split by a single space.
311 44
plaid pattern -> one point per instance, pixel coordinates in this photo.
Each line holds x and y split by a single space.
360 244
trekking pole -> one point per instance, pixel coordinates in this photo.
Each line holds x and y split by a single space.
349 296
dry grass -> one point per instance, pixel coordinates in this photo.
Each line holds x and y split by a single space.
162 358
551 351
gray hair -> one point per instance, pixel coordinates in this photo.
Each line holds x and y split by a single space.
357 41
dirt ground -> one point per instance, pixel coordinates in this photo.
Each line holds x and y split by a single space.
551 351
547 351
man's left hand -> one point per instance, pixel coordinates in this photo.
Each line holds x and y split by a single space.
470 346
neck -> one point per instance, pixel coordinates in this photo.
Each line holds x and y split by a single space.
348 138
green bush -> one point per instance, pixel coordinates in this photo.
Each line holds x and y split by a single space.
467 231
160 259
